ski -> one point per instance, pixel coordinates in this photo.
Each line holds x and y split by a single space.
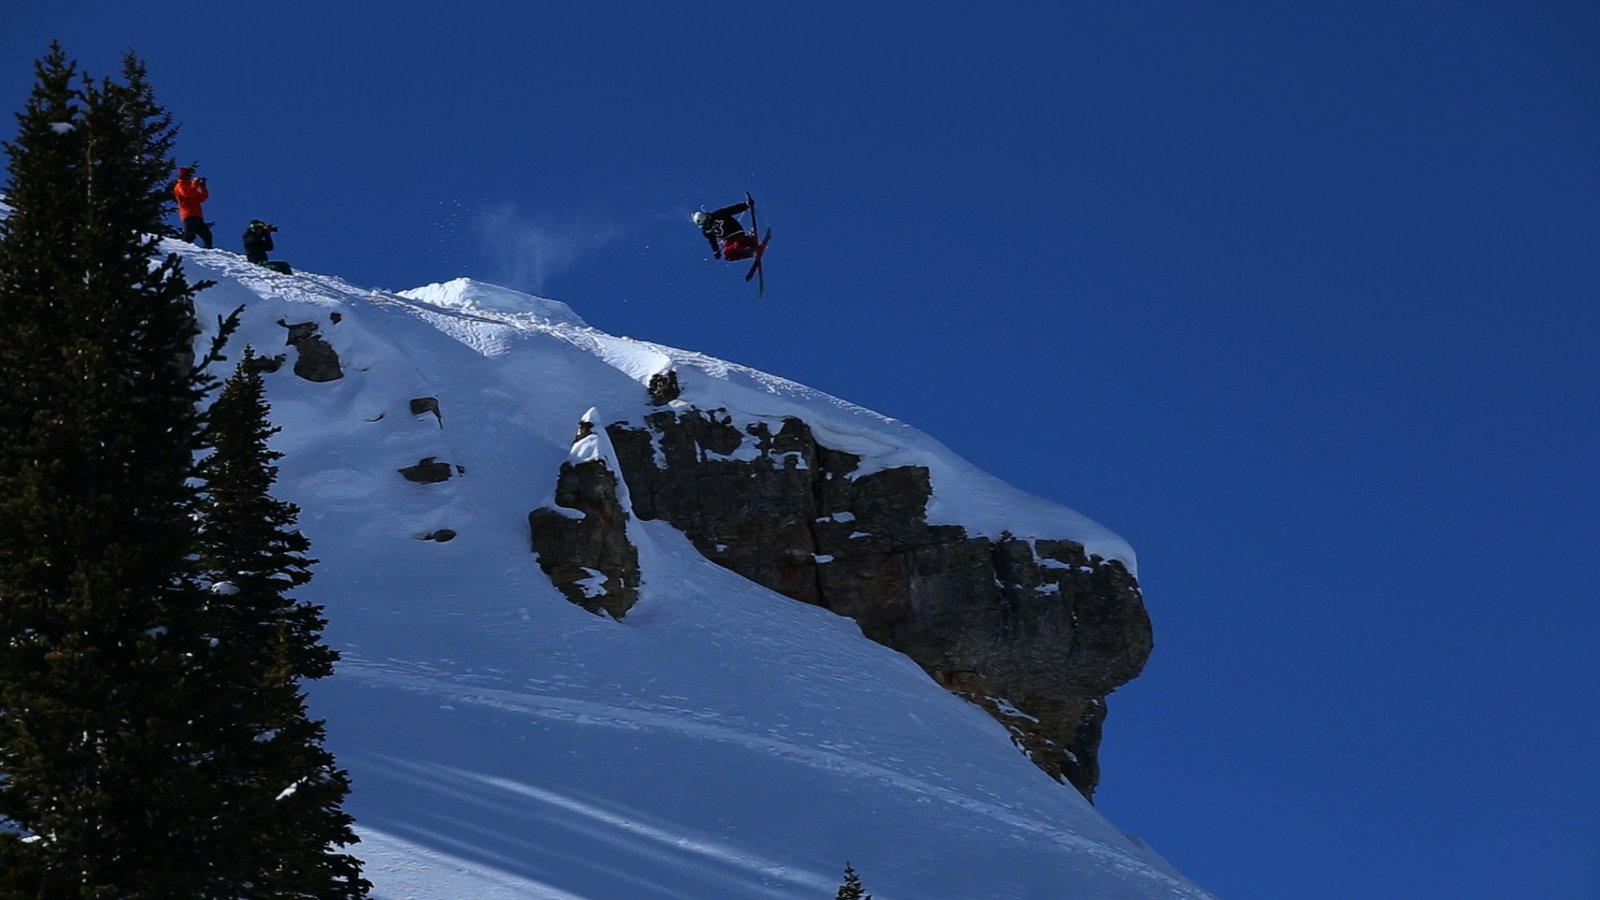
755 267
755 228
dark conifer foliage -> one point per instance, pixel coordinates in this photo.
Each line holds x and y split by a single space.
40 186
287 792
154 136
851 889
98 427
114 720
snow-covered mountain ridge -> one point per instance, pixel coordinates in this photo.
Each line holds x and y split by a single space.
721 740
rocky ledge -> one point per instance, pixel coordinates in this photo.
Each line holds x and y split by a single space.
1037 632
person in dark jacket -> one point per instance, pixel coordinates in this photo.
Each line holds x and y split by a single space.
258 240
190 192
726 233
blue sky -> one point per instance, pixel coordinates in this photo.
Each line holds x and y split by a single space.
1298 298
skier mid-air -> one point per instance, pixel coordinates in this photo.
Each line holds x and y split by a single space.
730 241
726 233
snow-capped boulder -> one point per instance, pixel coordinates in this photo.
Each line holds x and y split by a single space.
581 533
316 359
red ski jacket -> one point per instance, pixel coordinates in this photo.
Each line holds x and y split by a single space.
190 194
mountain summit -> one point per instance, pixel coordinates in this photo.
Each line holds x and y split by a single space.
620 620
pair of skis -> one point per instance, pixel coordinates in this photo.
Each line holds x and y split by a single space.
755 267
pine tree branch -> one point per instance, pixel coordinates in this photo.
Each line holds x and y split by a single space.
225 329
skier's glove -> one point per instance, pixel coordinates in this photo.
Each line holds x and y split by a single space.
716 254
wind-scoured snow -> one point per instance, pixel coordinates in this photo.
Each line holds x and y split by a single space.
720 742
468 295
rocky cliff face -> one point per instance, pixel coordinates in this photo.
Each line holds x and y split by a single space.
582 538
1036 632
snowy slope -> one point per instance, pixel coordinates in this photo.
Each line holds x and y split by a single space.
722 741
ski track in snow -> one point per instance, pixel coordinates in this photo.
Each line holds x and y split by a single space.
708 726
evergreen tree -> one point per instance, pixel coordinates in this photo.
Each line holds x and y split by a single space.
851 889
285 791
129 732
41 192
98 597
153 134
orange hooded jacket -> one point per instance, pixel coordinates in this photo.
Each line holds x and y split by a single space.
190 194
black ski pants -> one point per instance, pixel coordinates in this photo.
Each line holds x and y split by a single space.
196 227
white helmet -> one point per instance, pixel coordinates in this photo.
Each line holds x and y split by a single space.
699 217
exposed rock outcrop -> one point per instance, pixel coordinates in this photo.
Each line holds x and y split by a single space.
581 535
1037 632
664 387
264 364
429 470
424 405
315 359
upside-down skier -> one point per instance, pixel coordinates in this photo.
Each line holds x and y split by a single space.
730 241
726 234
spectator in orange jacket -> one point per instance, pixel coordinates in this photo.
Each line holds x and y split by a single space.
190 193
